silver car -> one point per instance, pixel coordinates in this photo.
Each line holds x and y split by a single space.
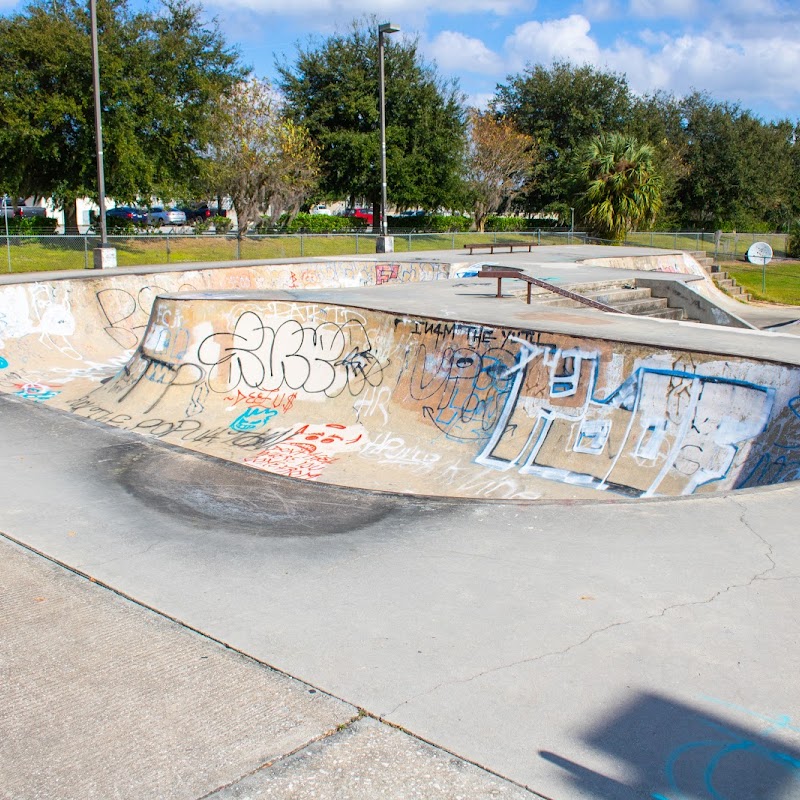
159 216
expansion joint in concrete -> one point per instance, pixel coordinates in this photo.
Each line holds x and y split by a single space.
331 734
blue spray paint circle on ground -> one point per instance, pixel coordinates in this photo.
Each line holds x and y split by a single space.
3 363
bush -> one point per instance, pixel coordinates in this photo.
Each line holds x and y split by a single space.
122 227
508 224
32 226
319 223
436 223
222 225
793 241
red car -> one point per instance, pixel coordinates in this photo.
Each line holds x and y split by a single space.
360 213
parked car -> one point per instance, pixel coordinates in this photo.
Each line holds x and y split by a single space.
137 216
19 209
360 213
200 211
159 216
321 208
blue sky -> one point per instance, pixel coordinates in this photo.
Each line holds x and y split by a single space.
746 51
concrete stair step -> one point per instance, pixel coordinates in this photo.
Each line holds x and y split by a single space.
666 313
642 306
613 296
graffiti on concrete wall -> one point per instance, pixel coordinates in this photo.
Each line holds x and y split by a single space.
541 409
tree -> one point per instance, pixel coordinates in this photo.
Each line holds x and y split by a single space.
259 155
621 189
500 161
160 72
561 107
658 120
332 88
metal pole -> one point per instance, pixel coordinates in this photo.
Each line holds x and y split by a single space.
98 126
8 241
383 29
571 224
384 226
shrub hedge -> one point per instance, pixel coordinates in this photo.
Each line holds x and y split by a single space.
31 226
437 223
319 223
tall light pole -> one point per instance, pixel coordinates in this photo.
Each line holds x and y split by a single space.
104 256
571 224
384 243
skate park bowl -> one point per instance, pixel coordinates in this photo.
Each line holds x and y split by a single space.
556 543
405 377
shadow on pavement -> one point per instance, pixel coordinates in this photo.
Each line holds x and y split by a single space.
678 752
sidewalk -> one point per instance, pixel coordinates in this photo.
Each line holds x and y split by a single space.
102 698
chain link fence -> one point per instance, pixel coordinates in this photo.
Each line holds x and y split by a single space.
721 246
65 251
68 252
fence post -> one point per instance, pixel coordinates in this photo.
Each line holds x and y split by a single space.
409 241
302 244
167 241
538 236
238 247
356 242
86 250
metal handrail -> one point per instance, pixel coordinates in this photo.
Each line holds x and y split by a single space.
503 272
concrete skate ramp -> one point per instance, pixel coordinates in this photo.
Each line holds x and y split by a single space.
351 388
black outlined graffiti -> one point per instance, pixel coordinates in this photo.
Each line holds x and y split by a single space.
127 314
327 358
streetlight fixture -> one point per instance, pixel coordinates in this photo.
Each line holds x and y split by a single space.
104 256
384 243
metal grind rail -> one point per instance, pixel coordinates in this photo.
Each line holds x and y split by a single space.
515 272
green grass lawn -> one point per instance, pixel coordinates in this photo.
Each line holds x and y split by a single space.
782 280
35 254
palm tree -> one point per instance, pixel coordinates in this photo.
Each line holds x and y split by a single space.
621 188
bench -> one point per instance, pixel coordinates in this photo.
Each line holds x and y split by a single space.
493 245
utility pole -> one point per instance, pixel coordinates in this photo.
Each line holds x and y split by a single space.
104 256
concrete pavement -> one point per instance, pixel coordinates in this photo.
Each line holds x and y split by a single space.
270 637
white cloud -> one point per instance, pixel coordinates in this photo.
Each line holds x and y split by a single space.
480 100
734 65
455 52
600 9
664 8
559 39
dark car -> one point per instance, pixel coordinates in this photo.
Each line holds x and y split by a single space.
201 211
136 216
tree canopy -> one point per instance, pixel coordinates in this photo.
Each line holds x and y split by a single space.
258 156
332 88
621 190
562 107
160 73
500 162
